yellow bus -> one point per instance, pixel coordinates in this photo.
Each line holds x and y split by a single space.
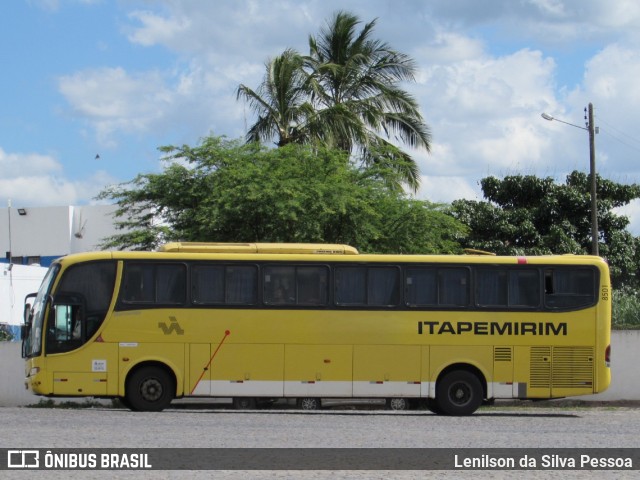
254 322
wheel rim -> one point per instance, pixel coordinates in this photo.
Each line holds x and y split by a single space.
308 404
151 389
397 404
460 393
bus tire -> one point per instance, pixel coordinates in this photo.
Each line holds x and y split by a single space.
432 406
149 389
398 404
244 403
124 402
309 403
459 393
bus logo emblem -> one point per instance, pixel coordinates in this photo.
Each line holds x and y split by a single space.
174 326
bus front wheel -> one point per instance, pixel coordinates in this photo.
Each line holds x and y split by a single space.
459 393
149 389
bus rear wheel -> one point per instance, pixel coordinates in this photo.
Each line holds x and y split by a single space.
459 393
432 406
149 389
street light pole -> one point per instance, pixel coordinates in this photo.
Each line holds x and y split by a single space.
592 168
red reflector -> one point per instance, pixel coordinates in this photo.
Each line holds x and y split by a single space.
522 260
99 339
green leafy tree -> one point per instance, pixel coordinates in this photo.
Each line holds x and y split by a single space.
227 191
344 94
527 215
5 335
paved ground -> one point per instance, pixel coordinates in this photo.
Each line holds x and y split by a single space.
502 427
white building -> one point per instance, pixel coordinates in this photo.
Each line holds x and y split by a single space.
32 237
42 234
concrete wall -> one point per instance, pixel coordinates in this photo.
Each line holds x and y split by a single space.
624 386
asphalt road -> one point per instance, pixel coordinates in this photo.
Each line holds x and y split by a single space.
520 427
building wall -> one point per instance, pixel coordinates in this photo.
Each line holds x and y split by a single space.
51 232
16 282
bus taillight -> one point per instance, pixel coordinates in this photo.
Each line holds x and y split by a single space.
607 356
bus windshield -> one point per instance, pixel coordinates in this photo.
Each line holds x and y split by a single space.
77 307
32 342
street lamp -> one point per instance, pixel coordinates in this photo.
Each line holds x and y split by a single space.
592 166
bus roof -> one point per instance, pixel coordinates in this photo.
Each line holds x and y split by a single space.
319 253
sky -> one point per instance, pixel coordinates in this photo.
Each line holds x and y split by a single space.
89 89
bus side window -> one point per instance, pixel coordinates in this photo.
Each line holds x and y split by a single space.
491 287
151 283
453 287
241 285
421 287
311 284
279 286
570 287
383 286
207 284
524 288
367 286
351 286
171 283
137 288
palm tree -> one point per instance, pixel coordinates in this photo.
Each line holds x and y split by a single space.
280 101
353 83
344 94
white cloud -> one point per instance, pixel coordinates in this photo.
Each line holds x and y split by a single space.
612 76
43 181
115 101
448 48
445 189
39 190
484 116
631 211
157 29
611 85
13 164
